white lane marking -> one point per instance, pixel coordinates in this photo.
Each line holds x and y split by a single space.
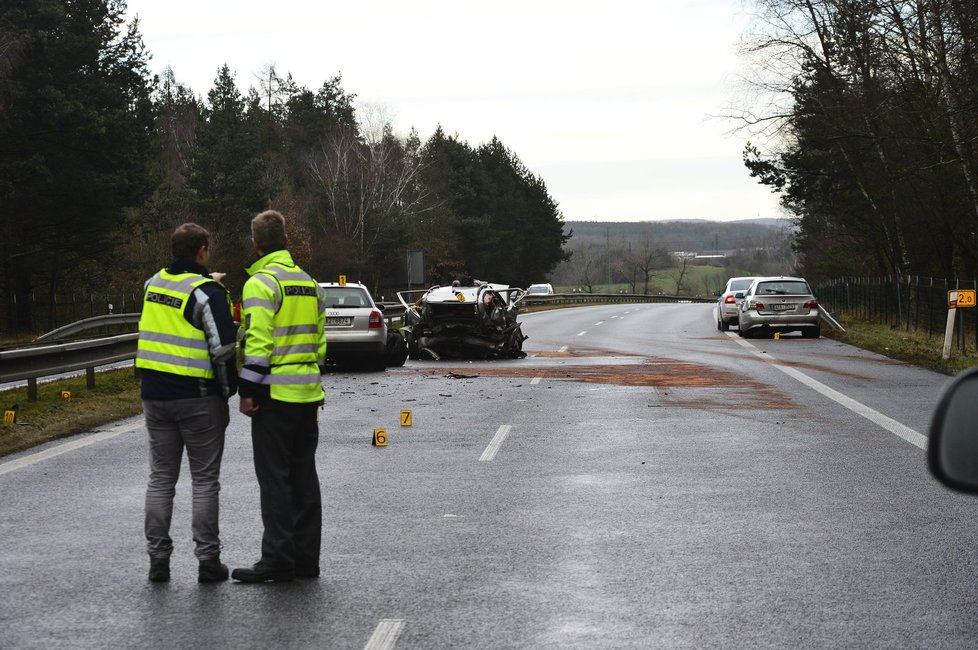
65 448
564 349
582 333
535 381
496 442
600 322
385 634
913 437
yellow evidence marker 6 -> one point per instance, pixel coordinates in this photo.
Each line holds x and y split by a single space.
380 438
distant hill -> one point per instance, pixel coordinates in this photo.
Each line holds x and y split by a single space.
699 235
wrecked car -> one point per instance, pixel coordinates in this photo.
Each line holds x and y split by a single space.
472 320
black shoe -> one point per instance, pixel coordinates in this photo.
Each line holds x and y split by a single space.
159 569
263 573
307 572
212 570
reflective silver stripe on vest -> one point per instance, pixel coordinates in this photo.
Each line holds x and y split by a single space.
261 362
201 364
258 378
250 303
289 276
299 348
183 286
250 375
295 329
269 282
182 341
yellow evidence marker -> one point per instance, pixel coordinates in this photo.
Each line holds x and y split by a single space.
66 394
9 417
380 438
342 281
406 418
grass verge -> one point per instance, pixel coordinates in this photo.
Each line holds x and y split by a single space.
115 396
913 347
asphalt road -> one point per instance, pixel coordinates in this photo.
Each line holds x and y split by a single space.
641 480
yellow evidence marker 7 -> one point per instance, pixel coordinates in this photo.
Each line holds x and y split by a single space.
380 438
406 418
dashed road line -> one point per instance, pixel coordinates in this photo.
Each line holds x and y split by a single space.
65 448
535 381
913 437
385 634
582 333
495 443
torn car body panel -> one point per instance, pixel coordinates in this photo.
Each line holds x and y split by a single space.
477 321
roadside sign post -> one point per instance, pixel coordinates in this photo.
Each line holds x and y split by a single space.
955 299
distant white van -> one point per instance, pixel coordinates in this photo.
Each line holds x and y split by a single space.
540 289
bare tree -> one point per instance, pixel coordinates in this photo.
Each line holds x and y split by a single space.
586 265
682 263
369 187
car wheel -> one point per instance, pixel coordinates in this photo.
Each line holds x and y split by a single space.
723 325
412 347
397 351
741 331
813 332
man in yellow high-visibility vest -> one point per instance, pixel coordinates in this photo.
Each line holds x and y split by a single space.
284 346
185 356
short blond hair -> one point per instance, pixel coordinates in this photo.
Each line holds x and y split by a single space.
268 231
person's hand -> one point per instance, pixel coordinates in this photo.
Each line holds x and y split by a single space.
218 277
248 406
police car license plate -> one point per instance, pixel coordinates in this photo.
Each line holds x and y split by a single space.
339 321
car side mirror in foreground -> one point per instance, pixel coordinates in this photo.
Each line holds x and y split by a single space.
952 448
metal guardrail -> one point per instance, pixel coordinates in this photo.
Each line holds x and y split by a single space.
532 300
45 360
37 361
95 322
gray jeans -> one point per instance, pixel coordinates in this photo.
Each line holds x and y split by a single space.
197 424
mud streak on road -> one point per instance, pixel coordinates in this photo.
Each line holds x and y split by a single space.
702 386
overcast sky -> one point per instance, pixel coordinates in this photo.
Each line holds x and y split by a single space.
612 103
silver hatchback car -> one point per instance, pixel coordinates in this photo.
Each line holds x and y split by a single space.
781 304
729 304
356 333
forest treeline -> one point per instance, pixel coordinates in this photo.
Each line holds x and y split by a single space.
870 132
100 160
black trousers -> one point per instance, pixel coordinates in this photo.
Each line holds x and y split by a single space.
285 437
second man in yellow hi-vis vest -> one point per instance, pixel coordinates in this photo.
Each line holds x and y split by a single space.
284 346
